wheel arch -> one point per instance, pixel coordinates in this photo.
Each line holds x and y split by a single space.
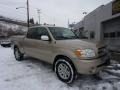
17 46
66 58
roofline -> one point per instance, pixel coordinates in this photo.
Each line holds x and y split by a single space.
45 26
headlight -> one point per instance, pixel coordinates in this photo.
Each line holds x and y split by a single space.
86 53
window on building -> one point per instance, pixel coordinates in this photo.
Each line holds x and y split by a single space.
92 35
116 7
84 34
118 34
106 35
112 35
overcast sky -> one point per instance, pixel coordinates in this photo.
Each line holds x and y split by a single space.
52 11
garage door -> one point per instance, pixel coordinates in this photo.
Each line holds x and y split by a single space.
111 32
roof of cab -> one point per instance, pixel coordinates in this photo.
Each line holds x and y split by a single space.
44 26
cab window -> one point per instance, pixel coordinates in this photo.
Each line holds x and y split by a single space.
36 33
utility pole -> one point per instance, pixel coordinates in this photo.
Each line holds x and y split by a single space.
54 21
38 11
68 23
28 24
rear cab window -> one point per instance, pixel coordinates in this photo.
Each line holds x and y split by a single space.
37 32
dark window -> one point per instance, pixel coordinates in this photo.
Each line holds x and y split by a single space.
81 33
92 35
106 35
36 33
30 33
112 34
116 7
118 34
41 31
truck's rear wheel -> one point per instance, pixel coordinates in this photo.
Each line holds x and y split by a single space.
18 55
65 70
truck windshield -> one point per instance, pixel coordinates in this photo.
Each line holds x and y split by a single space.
60 33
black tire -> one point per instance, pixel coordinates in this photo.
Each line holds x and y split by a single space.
68 74
18 55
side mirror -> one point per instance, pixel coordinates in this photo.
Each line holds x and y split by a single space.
44 38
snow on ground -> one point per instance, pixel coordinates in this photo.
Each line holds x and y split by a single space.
32 74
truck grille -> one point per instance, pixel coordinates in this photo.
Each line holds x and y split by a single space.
102 52
104 55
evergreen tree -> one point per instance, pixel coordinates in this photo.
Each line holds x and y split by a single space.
32 21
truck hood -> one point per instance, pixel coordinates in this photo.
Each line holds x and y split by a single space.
75 44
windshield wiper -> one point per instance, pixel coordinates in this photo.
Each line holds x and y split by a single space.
62 38
73 37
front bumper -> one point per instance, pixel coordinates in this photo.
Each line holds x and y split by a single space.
91 66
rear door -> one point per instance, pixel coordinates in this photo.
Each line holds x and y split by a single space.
37 48
28 42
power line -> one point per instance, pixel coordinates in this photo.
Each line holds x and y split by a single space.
11 2
9 13
10 8
6 4
14 1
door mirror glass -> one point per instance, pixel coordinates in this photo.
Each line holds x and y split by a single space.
44 38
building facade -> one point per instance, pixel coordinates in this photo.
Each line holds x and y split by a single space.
102 24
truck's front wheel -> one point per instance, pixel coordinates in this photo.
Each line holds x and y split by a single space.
18 55
65 70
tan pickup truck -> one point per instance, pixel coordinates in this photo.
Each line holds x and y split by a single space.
60 47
